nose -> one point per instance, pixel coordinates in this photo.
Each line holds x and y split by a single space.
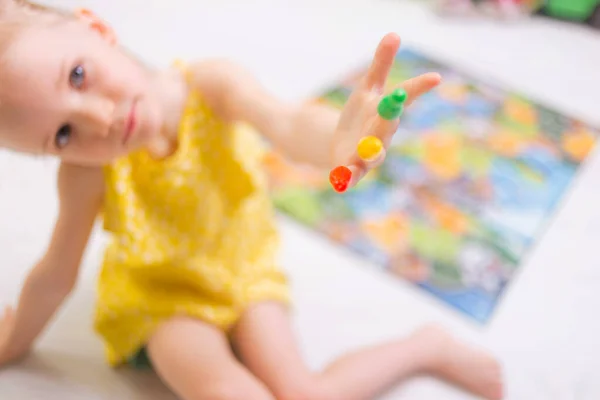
95 114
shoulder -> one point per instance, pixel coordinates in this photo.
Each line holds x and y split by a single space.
215 69
222 83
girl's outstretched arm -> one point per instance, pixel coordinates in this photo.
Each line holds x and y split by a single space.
311 133
236 95
53 278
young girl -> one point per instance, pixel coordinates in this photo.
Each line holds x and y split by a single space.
189 279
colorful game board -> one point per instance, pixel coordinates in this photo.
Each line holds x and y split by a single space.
474 175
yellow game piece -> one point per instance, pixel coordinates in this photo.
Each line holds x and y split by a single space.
369 148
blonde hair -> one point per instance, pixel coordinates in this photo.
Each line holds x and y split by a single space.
27 6
16 15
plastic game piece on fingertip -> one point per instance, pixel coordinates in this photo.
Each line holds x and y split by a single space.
369 148
339 178
392 105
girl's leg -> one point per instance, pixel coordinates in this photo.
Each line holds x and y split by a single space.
264 340
195 360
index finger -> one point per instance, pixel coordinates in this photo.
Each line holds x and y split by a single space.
377 74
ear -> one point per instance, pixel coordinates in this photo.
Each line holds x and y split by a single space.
95 23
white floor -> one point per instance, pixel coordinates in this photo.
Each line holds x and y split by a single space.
546 328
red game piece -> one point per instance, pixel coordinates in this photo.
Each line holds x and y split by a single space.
340 178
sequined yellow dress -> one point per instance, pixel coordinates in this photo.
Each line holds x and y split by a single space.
193 234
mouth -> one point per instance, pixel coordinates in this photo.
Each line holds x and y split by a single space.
130 124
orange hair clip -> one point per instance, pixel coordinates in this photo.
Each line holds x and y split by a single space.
96 23
84 12
100 27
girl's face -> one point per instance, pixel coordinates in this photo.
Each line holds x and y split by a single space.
67 90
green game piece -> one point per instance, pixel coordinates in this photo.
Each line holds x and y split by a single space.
392 105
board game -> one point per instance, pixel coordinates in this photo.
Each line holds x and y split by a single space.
472 179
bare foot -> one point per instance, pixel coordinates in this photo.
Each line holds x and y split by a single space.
460 364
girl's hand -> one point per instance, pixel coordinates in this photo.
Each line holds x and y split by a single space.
360 117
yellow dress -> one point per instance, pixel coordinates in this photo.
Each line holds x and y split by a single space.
193 234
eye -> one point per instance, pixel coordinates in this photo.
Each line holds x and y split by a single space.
77 77
63 136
